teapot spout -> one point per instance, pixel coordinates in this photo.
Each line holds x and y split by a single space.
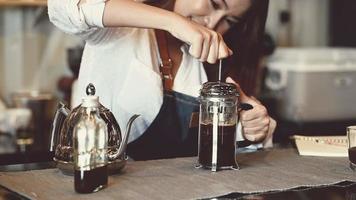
61 114
125 138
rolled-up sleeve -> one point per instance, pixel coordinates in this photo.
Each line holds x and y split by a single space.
84 20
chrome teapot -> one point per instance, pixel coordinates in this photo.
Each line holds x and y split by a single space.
62 136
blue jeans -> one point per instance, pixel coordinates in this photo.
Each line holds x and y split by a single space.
169 135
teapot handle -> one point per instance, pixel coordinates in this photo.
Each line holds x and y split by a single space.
61 114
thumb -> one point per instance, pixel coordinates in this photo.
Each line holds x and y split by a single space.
243 96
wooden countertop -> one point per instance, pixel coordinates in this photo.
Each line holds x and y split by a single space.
275 169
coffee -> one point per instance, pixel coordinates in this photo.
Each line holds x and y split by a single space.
225 145
352 155
90 180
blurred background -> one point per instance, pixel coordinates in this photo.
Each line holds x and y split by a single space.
307 79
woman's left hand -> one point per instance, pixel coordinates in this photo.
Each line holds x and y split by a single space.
255 122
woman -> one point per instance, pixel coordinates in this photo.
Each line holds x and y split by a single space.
124 55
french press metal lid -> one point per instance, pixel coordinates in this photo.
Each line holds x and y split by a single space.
218 89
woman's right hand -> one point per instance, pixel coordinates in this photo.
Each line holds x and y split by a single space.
205 44
257 124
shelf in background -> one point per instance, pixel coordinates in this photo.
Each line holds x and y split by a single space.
23 3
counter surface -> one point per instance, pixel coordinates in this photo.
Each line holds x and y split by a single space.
275 169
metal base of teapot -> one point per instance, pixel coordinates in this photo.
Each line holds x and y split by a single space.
114 167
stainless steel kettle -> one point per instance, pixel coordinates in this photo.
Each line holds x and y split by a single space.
62 136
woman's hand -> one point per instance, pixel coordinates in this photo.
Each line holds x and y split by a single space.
255 122
205 44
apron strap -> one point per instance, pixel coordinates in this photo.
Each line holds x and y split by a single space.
166 65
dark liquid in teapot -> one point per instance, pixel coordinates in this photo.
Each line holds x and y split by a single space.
352 155
91 180
225 147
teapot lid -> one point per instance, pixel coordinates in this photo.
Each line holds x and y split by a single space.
218 89
90 100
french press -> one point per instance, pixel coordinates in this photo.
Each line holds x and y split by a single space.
219 106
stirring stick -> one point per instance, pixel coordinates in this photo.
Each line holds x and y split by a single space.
220 63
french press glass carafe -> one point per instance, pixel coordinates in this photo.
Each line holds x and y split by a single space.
217 126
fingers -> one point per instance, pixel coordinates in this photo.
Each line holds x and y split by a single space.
206 47
258 122
209 46
258 112
196 46
262 127
257 131
205 44
214 49
255 123
224 50
243 97
255 137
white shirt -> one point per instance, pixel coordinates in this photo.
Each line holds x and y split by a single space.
123 64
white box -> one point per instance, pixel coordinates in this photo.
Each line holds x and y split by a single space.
313 84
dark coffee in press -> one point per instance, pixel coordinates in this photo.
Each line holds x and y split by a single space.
225 146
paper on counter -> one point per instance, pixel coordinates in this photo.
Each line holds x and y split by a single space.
326 146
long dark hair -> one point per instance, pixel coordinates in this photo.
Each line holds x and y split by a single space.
245 40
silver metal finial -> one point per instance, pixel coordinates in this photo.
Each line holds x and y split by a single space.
90 89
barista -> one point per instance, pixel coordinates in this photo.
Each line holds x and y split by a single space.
123 53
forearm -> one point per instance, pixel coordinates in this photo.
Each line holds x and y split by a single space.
128 13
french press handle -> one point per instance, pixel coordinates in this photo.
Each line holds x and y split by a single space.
244 143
